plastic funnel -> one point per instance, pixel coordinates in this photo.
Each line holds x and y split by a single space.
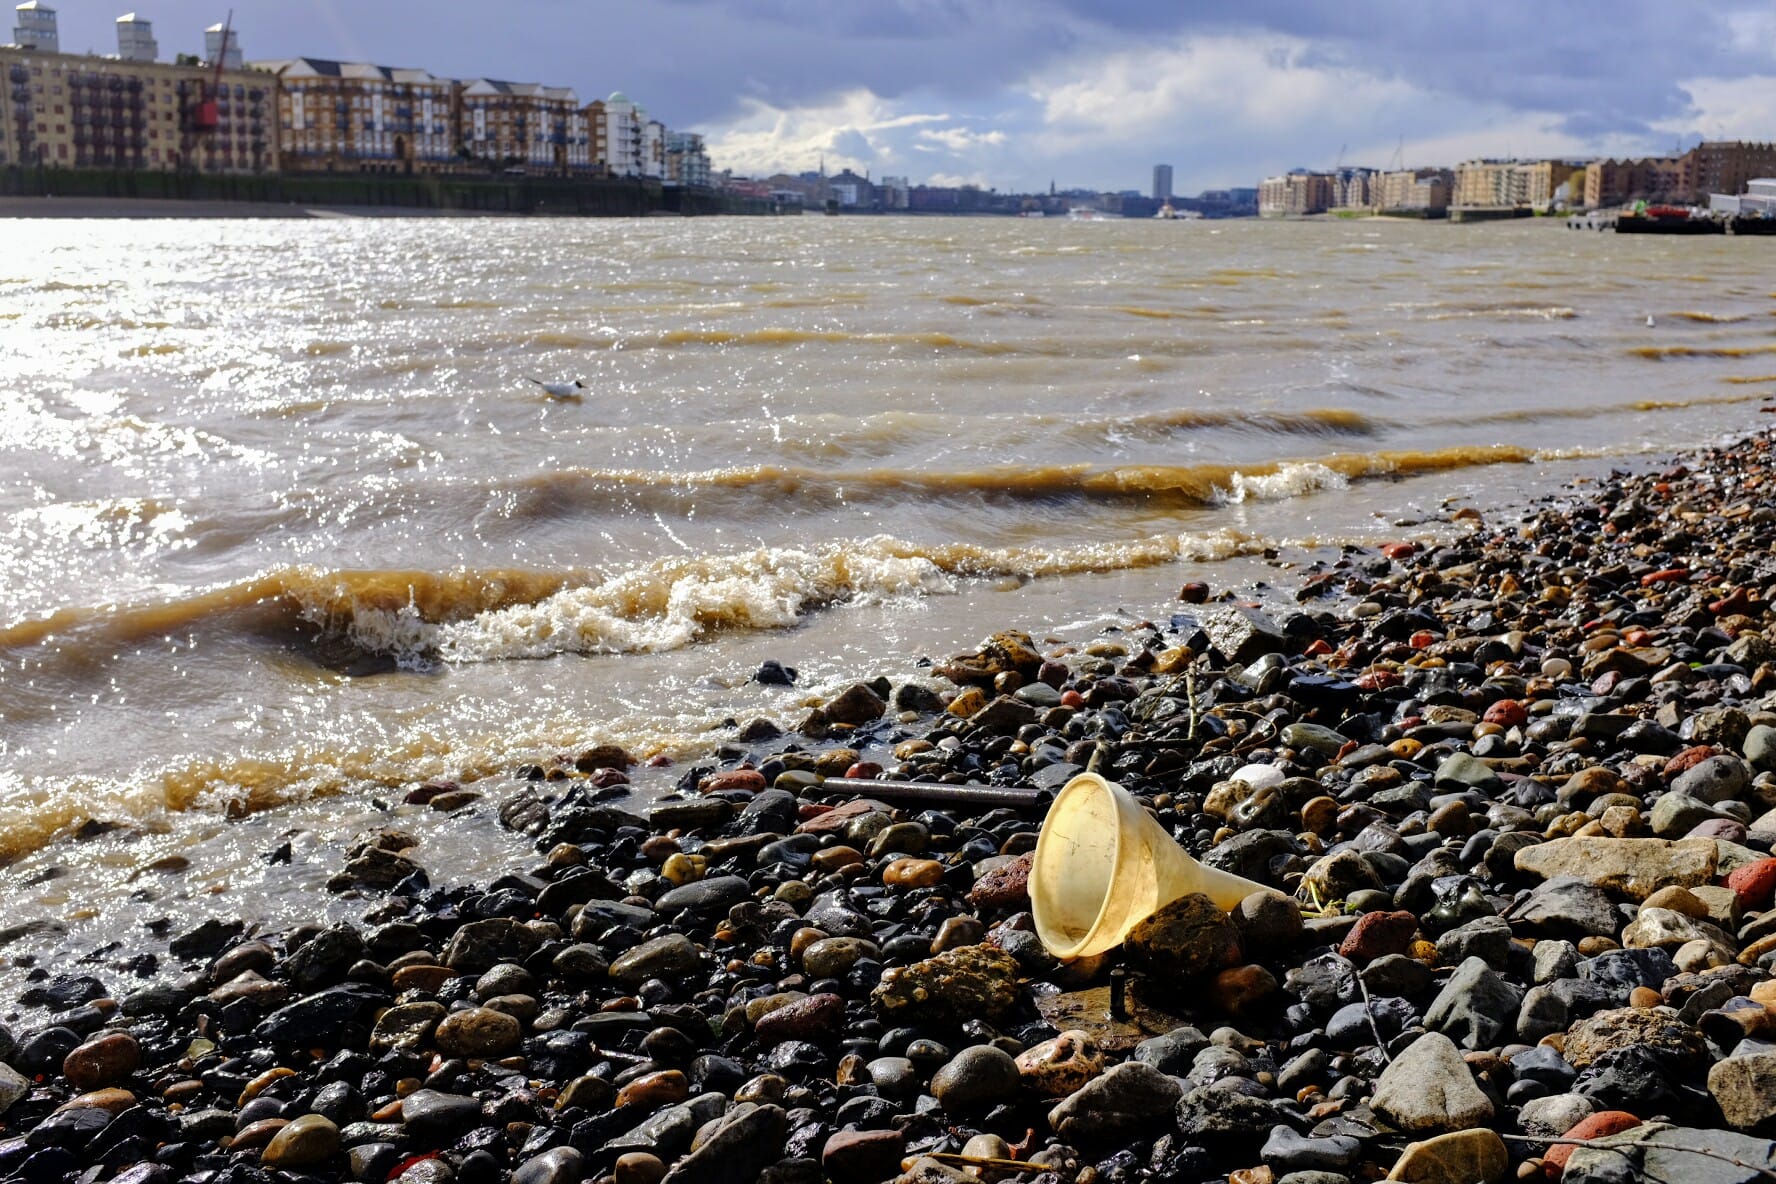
1103 865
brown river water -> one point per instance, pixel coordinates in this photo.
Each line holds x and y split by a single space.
285 531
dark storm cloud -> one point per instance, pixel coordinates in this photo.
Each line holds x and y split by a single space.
1608 66
1603 72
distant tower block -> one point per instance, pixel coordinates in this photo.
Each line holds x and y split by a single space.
229 55
1162 182
36 28
135 39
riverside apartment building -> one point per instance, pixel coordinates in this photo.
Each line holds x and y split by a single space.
128 111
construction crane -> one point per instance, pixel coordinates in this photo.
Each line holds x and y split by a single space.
207 117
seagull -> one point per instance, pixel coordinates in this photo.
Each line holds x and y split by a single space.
560 390
1649 322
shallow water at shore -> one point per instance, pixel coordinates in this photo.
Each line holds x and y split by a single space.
283 523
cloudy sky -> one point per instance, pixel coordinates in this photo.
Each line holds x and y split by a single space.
1091 93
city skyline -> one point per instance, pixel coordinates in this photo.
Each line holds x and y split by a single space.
1012 97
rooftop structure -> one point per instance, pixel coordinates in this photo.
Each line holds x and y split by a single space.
36 28
135 39
222 43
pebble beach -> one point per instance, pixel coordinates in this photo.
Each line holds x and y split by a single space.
1514 793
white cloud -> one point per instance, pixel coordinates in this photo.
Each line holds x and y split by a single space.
957 180
961 139
1267 81
1728 109
1225 108
855 130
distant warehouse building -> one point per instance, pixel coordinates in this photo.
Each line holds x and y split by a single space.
1759 198
83 111
1715 166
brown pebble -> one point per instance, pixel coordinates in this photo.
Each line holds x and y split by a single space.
1644 998
668 1087
638 1167
831 859
913 873
658 849
1319 815
102 1061
957 932
182 1091
802 938
565 855
257 1085
1244 990
425 979
1452 818
255 1135
112 1101
1679 900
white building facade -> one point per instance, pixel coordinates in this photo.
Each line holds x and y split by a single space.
616 135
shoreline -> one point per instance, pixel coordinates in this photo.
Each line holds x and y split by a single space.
1523 780
161 208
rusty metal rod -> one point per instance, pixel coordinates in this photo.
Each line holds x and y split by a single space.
800 781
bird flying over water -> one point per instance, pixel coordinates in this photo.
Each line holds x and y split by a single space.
559 390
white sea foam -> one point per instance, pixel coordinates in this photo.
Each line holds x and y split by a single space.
1289 480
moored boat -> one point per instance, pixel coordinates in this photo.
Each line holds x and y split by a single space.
1645 219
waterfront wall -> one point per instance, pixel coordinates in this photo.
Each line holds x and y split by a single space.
558 196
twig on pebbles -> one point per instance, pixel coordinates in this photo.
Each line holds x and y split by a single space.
1549 1142
979 1161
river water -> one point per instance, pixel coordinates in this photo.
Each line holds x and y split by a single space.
285 530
